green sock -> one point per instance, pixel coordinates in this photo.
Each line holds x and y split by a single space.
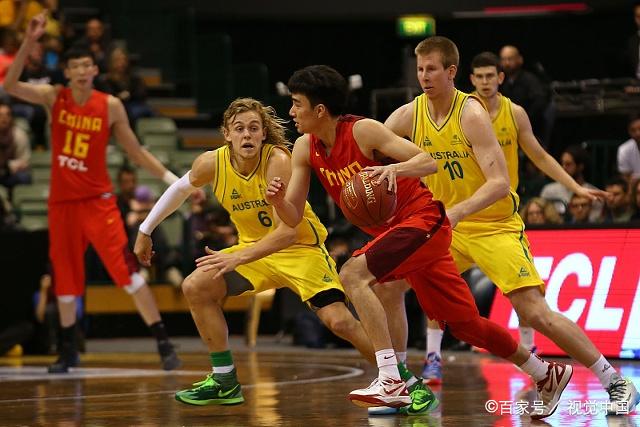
223 369
405 374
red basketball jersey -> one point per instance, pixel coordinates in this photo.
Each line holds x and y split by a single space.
346 159
79 138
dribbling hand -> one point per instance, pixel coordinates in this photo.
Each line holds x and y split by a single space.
143 249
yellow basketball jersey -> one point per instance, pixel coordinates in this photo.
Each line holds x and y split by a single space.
243 197
458 175
506 129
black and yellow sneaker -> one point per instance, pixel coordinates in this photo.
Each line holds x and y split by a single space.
422 400
211 392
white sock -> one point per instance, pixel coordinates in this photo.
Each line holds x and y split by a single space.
402 357
535 367
387 364
434 341
526 336
604 371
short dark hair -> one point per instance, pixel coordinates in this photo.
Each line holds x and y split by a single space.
126 170
486 59
322 85
579 154
77 51
618 180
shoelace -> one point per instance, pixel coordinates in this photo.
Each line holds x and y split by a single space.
616 390
207 382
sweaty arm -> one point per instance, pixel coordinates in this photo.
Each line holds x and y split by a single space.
476 126
127 139
289 199
202 172
283 235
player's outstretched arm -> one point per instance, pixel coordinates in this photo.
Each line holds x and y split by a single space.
412 161
289 198
202 172
476 125
42 94
282 236
544 161
129 142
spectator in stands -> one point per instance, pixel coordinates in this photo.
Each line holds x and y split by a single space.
127 182
35 72
527 90
120 82
97 41
617 209
538 211
629 152
635 200
30 8
7 14
579 210
573 160
9 48
15 151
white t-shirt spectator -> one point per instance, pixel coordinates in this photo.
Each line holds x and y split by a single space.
629 158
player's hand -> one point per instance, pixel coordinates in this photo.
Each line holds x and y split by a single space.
45 282
379 173
593 194
143 249
275 191
454 217
221 261
36 26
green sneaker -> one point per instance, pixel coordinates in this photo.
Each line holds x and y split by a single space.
211 392
422 400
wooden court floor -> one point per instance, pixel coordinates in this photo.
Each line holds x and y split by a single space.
282 386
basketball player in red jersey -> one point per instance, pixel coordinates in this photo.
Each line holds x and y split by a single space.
82 208
413 244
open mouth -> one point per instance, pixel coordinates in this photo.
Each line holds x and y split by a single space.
247 145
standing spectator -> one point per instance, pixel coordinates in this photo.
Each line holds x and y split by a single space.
573 161
525 89
15 151
632 52
579 210
539 211
97 42
9 47
629 152
618 209
120 82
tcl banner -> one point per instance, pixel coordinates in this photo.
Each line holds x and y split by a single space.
593 278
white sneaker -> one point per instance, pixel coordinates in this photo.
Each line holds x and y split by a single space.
550 388
623 396
385 392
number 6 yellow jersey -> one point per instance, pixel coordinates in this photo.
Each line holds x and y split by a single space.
459 174
244 198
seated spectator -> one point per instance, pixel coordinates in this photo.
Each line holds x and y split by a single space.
539 211
629 152
127 182
15 151
618 209
635 200
579 210
120 82
97 42
573 161
30 8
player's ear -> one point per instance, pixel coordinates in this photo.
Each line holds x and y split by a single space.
500 77
452 71
225 133
321 110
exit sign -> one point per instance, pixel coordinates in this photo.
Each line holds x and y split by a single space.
416 26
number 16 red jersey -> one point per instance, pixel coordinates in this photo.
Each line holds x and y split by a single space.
79 138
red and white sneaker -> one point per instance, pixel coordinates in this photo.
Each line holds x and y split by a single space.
386 392
550 388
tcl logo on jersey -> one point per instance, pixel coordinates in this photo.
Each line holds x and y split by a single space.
71 163
593 278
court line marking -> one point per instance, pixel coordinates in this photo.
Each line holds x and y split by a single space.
350 372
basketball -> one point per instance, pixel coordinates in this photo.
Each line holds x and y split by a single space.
366 203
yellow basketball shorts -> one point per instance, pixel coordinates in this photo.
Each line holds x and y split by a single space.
306 270
502 254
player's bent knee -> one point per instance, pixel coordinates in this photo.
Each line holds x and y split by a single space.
197 286
137 282
66 299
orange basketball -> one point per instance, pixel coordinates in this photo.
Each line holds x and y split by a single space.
366 203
